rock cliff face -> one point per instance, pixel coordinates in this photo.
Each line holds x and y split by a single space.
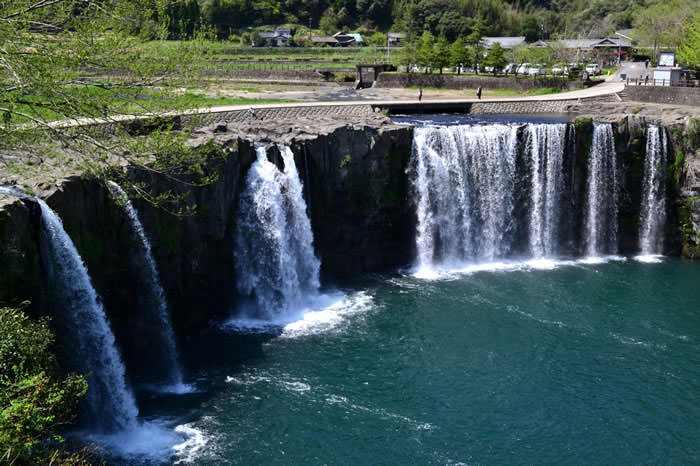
685 173
357 190
355 184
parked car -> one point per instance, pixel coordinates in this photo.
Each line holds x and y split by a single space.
560 70
510 68
537 70
523 68
592 68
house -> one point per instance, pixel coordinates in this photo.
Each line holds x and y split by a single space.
321 41
279 37
614 43
347 40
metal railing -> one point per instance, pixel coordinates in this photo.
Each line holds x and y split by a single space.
638 81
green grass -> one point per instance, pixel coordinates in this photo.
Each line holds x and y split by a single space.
128 101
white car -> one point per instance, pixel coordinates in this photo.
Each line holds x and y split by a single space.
560 70
593 68
536 70
524 68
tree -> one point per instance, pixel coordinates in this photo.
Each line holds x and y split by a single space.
83 62
425 50
407 55
662 24
459 55
689 51
475 46
35 400
441 53
530 28
378 39
496 58
520 56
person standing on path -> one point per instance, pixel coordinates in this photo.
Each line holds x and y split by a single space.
420 94
478 93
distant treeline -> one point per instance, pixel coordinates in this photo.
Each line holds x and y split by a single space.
450 19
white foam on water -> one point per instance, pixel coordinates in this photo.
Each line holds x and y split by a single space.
436 273
324 313
146 441
331 317
381 413
192 448
649 258
600 259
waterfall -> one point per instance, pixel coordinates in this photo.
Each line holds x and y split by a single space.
159 308
653 211
274 255
546 144
110 403
464 185
601 202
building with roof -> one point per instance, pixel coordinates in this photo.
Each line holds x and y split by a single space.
348 40
324 40
279 37
506 42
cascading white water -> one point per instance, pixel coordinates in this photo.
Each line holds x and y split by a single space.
166 337
464 185
275 260
653 212
110 403
546 147
601 203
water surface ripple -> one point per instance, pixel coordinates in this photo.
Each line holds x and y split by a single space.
580 363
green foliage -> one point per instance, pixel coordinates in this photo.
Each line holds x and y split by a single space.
689 51
459 54
496 58
35 401
425 50
88 61
406 56
441 53
530 28
378 39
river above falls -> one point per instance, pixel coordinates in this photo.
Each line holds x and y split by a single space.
564 363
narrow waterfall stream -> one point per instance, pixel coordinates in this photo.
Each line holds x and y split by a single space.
546 144
653 208
111 405
158 309
275 260
601 210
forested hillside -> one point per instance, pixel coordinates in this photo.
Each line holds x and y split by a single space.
451 18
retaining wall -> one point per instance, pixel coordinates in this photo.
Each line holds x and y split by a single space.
663 95
450 81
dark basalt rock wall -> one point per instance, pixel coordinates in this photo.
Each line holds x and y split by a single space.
358 200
